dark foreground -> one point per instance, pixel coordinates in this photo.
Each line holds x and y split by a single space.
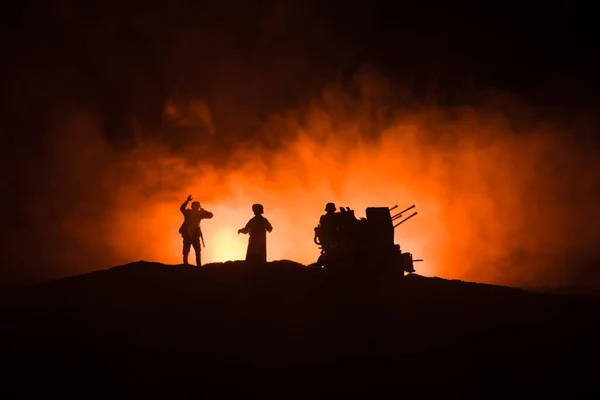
280 331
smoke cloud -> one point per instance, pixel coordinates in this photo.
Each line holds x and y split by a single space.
504 194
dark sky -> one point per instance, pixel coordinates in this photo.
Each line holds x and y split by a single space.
255 58
95 51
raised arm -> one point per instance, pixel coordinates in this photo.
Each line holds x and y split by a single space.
184 205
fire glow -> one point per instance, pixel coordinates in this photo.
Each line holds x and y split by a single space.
482 191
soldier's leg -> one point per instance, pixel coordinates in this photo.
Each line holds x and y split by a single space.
186 250
196 245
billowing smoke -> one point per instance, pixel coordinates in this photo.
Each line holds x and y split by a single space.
503 195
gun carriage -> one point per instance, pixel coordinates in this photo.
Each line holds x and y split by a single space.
348 242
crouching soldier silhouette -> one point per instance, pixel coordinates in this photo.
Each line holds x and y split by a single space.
190 229
257 227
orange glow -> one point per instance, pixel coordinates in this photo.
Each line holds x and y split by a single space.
293 192
483 193
295 184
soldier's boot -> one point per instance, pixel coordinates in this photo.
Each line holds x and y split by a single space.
198 264
185 259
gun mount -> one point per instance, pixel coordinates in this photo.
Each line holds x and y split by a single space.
347 242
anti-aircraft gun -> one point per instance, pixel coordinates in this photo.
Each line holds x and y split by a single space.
348 242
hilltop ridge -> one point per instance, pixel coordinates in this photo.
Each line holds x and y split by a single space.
149 322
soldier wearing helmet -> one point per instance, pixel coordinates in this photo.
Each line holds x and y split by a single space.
190 229
257 228
329 212
327 229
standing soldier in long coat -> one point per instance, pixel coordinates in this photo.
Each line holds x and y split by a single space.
257 228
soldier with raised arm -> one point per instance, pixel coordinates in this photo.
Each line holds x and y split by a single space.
190 229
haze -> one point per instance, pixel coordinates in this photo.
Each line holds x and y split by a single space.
504 195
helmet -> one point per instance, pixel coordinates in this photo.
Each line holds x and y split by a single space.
330 207
258 208
196 204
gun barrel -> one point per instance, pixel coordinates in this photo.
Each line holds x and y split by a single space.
399 215
393 208
406 219
409 208
420 259
396 216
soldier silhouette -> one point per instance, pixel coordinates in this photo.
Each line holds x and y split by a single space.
257 228
190 228
328 229
329 214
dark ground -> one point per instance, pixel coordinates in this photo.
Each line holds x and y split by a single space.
282 331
